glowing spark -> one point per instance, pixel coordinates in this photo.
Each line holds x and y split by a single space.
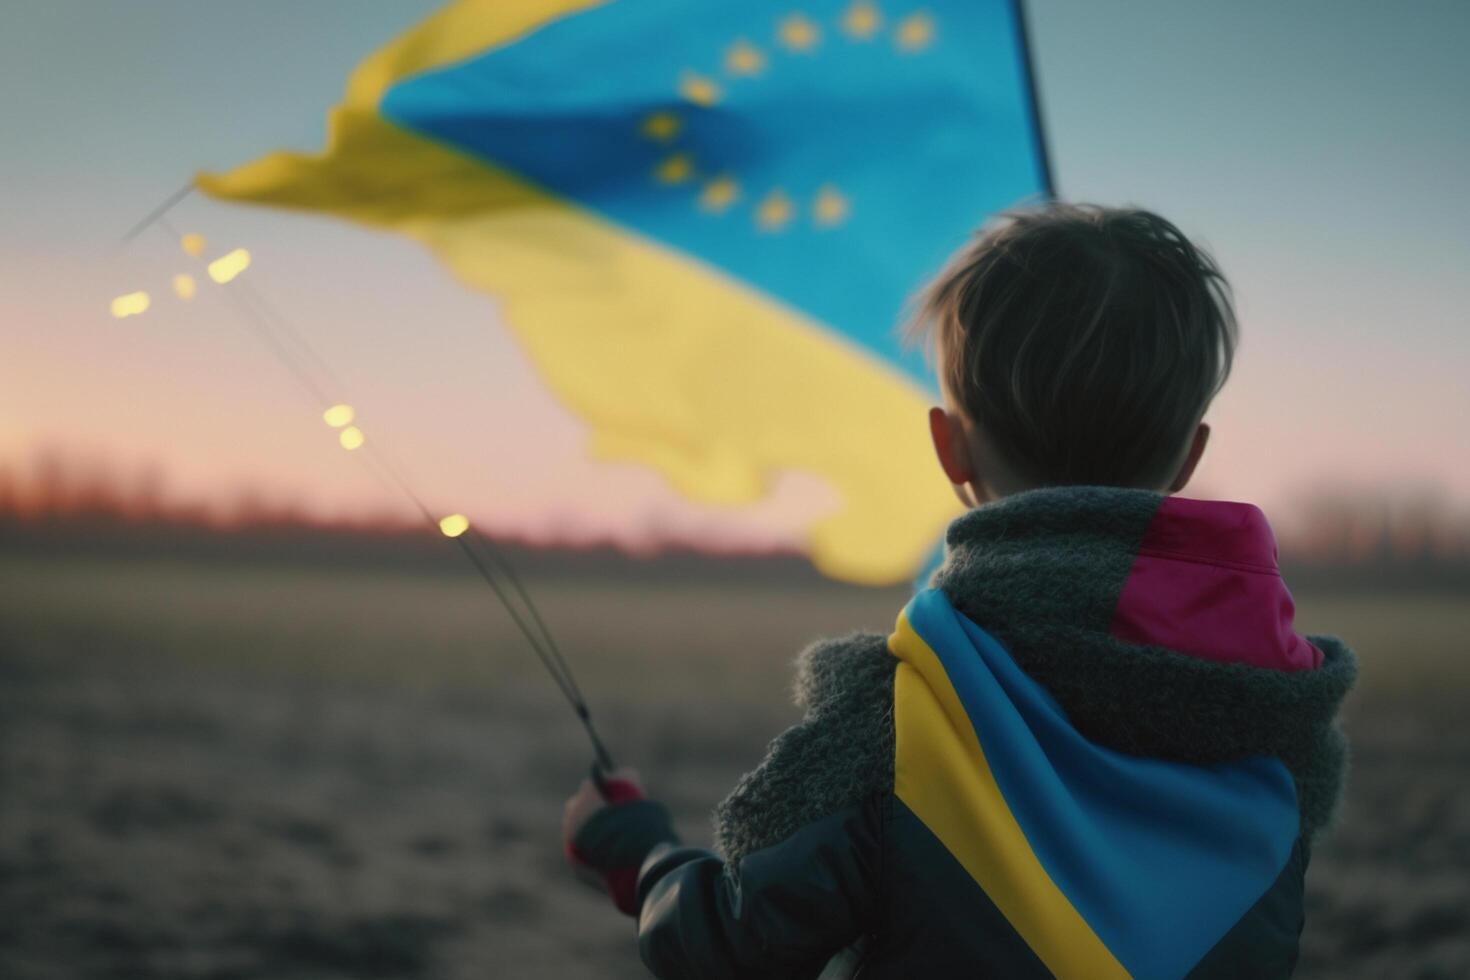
184 286
351 438
338 416
831 207
719 194
229 265
915 32
192 244
699 90
130 305
454 525
798 33
674 170
744 58
774 212
862 20
661 126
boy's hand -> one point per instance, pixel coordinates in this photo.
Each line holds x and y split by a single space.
606 839
622 785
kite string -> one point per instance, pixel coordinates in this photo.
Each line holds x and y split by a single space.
542 642
268 326
156 215
508 570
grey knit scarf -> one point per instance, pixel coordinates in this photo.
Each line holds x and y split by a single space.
1041 571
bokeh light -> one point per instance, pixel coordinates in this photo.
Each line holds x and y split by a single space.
130 304
229 265
454 525
351 437
184 287
339 415
192 244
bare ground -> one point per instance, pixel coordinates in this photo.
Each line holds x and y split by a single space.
207 772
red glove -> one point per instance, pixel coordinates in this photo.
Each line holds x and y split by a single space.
606 838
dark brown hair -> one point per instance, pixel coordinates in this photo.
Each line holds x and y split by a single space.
1085 342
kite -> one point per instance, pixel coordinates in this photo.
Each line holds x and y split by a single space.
702 221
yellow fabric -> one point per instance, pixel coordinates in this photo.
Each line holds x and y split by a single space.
671 363
940 773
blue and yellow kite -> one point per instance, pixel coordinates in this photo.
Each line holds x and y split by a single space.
702 220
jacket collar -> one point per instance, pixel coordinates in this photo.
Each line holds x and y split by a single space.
1161 628
1198 577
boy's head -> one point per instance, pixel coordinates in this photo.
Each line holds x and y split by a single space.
1075 344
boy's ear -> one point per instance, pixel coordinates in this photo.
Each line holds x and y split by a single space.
951 446
1196 450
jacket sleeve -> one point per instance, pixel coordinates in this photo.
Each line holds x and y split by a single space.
782 913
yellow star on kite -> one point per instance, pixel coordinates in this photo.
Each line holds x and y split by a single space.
862 20
698 89
915 32
719 194
830 208
661 126
674 170
798 33
744 59
774 213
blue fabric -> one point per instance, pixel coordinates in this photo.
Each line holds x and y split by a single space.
922 144
1160 858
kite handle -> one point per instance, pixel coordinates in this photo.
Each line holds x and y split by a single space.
613 789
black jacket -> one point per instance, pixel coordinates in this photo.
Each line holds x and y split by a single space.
874 871
828 867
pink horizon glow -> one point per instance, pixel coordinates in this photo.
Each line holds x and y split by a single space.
434 376
185 389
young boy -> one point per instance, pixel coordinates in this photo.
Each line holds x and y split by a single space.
1095 747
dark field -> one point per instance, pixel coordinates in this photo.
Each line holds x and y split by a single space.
226 773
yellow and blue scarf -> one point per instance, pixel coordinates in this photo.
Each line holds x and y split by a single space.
1106 864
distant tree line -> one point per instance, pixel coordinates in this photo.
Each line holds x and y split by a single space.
1410 538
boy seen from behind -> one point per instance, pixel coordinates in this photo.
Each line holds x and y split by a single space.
1095 746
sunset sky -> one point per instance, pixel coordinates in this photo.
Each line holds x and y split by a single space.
1320 149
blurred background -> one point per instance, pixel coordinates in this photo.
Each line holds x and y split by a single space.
255 722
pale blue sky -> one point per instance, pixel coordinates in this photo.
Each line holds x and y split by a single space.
1320 148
